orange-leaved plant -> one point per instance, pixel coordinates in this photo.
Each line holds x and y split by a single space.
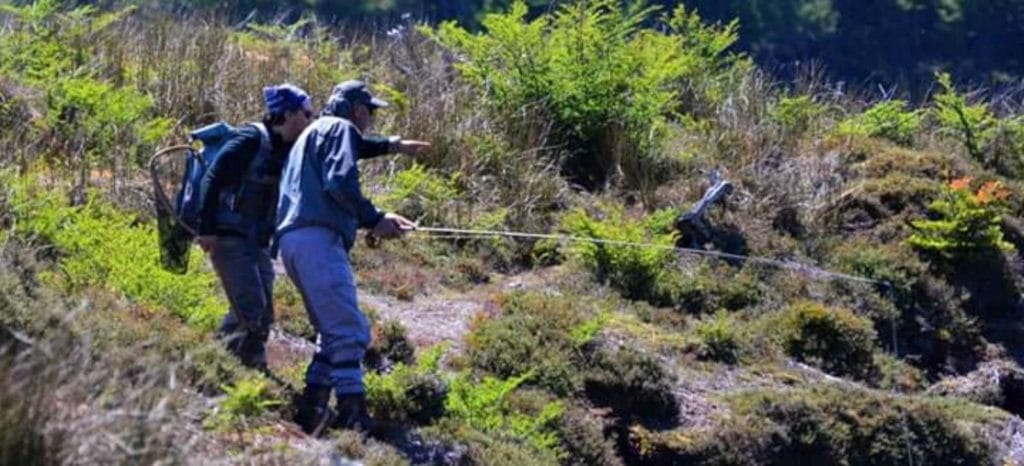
963 220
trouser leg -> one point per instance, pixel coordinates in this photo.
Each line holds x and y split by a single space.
247 276
318 265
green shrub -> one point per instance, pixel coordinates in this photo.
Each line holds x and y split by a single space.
632 384
895 265
246 400
100 246
608 84
409 393
898 374
636 272
796 114
972 125
833 339
421 194
891 263
484 406
706 287
536 333
888 119
718 338
966 222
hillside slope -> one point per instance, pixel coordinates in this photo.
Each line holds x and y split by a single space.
501 350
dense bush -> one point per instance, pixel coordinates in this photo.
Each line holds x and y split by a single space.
608 84
535 333
833 339
632 384
582 437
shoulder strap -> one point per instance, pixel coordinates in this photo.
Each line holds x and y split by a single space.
264 137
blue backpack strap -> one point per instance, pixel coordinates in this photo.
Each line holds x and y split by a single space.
250 227
264 138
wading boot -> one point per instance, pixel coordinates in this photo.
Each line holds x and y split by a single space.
352 414
313 414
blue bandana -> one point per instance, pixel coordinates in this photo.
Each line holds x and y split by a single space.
286 97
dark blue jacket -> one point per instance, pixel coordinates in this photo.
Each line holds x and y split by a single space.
227 174
320 185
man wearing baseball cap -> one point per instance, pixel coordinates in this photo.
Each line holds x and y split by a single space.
352 101
321 206
238 199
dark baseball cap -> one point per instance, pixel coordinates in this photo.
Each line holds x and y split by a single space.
357 92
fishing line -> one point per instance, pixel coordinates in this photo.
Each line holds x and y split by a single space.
807 269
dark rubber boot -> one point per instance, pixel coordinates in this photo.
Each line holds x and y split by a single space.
352 414
313 414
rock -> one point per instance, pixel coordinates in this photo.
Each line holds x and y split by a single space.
995 383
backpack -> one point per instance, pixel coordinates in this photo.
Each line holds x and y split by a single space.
178 223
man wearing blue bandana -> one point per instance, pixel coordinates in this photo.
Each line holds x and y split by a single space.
238 199
321 206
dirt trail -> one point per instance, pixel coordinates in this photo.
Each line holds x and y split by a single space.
442 316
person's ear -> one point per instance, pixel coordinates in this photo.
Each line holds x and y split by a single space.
363 110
